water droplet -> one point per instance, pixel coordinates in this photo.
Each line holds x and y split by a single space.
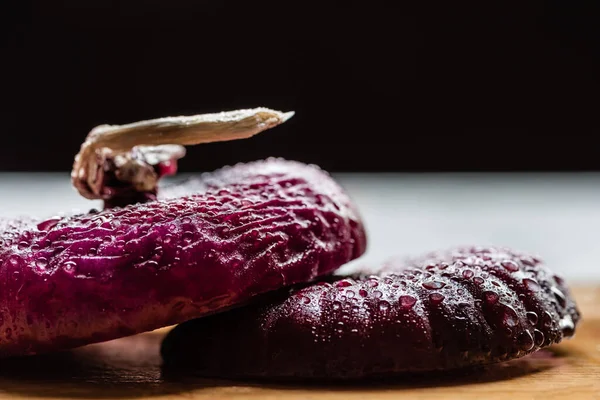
407 302
92 251
510 318
362 293
490 297
384 306
567 326
528 261
349 294
538 337
510 265
14 260
41 263
436 298
69 266
433 285
467 274
547 319
377 294
525 341
23 245
336 305
372 282
531 284
478 281
48 224
188 236
560 281
560 296
186 220
532 317
343 283
305 300
107 239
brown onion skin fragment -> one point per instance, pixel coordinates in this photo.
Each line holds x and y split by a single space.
411 316
241 231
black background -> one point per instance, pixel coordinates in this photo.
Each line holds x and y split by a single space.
377 86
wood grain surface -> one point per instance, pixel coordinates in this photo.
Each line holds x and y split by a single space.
129 368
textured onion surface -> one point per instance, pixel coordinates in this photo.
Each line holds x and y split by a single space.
236 233
464 307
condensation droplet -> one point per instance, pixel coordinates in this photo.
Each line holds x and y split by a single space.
433 285
559 280
48 224
336 305
342 284
560 296
362 292
436 298
510 265
188 236
532 317
41 263
377 294
407 302
525 341
478 280
490 297
384 306
547 319
510 318
567 326
14 260
538 337
70 266
467 274
528 261
531 284
372 282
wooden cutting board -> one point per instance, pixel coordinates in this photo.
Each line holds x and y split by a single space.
130 369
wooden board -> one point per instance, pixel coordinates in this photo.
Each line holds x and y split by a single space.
130 368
